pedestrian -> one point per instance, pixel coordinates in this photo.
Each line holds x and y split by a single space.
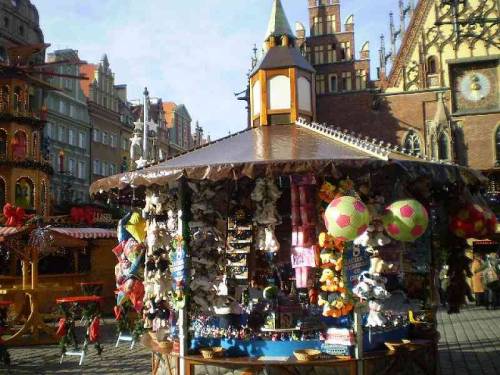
443 284
490 272
477 279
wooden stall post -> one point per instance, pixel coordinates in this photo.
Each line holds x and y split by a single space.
358 329
183 230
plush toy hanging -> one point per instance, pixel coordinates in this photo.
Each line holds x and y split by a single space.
406 220
346 218
136 226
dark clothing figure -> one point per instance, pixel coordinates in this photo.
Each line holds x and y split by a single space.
458 288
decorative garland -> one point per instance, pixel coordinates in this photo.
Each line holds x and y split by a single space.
29 164
8 117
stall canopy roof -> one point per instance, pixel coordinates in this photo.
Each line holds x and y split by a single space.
281 149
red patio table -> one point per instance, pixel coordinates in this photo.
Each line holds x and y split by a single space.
89 307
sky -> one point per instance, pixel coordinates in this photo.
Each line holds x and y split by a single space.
194 52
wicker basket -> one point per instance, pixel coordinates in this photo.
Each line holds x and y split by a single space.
210 353
307 354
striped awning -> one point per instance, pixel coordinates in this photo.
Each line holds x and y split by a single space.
86 233
10 231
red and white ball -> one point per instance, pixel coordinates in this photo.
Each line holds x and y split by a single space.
406 220
473 221
346 218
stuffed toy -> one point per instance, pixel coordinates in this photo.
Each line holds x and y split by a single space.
327 192
375 317
136 226
271 242
331 283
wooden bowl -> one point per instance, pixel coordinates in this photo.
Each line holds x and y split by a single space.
306 354
395 345
213 352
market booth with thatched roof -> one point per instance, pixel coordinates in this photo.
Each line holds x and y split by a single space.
291 245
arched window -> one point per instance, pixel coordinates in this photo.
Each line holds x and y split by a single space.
17 99
443 147
19 145
3 192
3 144
413 144
431 65
24 193
4 98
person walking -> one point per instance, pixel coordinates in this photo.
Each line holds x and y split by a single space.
490 270
477 279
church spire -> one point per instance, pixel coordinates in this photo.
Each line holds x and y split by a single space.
278 23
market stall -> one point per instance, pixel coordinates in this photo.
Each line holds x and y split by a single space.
286 248
31 246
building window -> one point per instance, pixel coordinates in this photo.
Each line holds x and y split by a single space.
320 84
72 138
331 53
62 107
124 144
105 138
413 144
72 167
431 65
81 140
19 145
345 51
60 134
21 30
443 147
114 140
346 81
112 169
6 22
81 170
317 25
3 145
97 135
319 55
104 168
360 79
97 167
24 193
331 24
333 83
61 161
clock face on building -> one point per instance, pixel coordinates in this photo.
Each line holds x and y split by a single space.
475 86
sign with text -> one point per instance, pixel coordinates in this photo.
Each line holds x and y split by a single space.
356 261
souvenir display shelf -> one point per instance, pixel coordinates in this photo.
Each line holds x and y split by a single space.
267 257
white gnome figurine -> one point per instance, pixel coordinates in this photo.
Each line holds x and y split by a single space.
375 317
271 244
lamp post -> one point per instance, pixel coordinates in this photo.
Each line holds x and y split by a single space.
145 128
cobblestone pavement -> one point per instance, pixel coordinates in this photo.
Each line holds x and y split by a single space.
44 360
470 342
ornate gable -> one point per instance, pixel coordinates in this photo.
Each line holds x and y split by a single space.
431 42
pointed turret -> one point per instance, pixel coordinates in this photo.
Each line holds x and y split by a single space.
282 82
278 23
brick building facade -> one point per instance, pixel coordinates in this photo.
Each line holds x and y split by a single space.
440 98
